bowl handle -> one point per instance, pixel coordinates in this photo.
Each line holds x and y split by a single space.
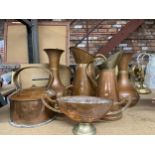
127 99
54 103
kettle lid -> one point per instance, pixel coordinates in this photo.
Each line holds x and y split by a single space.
28 94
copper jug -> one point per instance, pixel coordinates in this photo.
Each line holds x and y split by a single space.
26 107
106 86
81 83
54 58
125 87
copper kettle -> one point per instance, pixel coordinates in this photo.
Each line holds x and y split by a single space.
26 107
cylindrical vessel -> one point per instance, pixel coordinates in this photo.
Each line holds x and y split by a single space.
54 60
26 107
125 87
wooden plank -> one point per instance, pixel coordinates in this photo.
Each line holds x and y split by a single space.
117 38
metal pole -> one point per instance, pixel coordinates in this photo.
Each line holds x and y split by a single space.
33 46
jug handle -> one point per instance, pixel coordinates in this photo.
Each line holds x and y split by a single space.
55 106
15 76
123 108
93 80
100 55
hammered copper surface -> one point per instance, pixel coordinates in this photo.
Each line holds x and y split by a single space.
54 59
84 108
125 87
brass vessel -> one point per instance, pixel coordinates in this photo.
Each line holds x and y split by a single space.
138 72
125 87
26 107
54 58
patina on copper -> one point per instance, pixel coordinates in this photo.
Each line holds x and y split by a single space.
26 107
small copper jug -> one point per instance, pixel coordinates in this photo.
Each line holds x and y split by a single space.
125 87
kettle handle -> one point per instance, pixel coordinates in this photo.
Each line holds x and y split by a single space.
128 99
15 76
93 80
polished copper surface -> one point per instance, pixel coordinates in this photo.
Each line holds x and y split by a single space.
125 87
54 59
84 108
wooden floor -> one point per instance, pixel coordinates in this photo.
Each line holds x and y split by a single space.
138 120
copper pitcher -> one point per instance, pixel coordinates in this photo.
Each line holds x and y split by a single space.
81 83
54 58
26 107
125 87
106 86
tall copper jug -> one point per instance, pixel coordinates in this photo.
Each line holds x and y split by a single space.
125 87
54 58
81 83
106 86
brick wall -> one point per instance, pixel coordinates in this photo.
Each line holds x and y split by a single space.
143 39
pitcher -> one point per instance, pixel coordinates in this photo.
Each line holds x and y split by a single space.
106 86
81 83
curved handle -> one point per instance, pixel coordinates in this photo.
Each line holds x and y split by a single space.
93 80
55 106
67 88
15 77
123 108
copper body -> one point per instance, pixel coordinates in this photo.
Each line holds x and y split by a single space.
107 87
26 107
84 109
54 58
125 87
81 84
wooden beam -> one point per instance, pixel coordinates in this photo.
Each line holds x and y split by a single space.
117 38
